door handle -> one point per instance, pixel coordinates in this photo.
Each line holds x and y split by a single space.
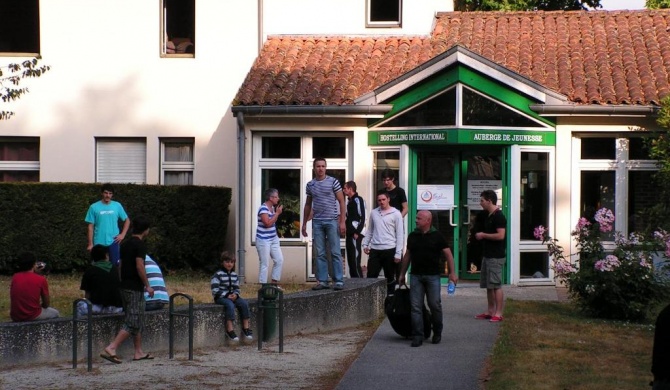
451 217
466 215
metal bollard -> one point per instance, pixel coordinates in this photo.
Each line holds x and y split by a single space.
190 323
87 321
270 298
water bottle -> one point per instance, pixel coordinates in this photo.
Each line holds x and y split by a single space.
451 288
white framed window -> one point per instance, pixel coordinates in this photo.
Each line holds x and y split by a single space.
121 160
177 161
285 162
20 27
19 159
613 171
383 13
178 28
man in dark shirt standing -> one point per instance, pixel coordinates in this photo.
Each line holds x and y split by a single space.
425 248
133 284
355 222
660 358
493 242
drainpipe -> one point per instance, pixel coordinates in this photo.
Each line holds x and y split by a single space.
241 205
260 25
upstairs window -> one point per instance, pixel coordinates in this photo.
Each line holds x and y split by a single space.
121 160
384 13
19 27
178 28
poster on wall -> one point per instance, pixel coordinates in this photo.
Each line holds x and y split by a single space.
435 197
476 187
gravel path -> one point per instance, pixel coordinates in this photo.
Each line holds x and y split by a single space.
307 361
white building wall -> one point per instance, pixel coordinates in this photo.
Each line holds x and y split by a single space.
345 17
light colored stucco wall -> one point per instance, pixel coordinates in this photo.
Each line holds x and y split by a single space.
345 17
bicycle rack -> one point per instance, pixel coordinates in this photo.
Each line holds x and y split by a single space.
270 297
87 321
190 323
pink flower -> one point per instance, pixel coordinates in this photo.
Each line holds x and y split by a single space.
605 218
582 223
539 232
609 263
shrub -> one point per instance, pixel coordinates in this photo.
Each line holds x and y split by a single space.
622 284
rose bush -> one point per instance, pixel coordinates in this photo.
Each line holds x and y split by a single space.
622 284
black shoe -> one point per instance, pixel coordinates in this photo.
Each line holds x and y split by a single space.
320 287
417 342
338 287
437 338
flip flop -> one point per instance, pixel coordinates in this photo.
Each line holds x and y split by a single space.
145 357
111 358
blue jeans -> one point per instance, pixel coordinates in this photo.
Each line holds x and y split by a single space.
269 249
322 230
428 286
229 308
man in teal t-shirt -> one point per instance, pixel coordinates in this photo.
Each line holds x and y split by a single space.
103 223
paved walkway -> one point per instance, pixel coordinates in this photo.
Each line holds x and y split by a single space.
388 361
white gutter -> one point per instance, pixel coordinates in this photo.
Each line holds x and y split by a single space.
241 204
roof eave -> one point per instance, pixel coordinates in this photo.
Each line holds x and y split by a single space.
348 111
595 110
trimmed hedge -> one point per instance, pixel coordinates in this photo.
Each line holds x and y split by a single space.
188 222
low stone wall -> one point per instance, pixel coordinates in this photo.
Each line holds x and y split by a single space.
361 301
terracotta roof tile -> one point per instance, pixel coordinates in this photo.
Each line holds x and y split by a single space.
595 57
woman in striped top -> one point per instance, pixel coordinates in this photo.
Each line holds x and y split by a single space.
267 241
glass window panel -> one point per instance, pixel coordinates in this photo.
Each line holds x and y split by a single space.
534 265
638 149
383 161
597 191
179 152
20 27
19 151
178 178
287 182
599 148
329 147
384 10
438 111
9 176
534 202
179 25
642 194
281 147
479 110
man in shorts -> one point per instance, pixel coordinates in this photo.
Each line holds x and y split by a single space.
492 237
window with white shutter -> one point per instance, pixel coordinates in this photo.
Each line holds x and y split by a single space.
121 160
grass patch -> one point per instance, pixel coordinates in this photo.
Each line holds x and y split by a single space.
545 345
64 289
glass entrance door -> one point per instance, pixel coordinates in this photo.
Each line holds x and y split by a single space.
469 172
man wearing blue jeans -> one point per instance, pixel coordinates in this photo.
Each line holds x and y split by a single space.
425 248
325 203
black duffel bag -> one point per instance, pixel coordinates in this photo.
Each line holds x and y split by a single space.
398 309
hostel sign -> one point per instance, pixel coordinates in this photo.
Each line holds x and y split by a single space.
462 137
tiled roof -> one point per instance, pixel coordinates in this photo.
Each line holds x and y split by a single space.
592 57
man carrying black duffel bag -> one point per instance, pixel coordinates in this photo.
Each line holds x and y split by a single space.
425 247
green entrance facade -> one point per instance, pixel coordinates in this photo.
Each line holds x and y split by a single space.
462 132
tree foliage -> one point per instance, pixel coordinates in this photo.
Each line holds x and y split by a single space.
528 5
11 76
657 4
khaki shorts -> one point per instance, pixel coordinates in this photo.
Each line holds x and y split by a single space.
492 270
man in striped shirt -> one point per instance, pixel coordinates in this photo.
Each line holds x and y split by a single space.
156 281
325 200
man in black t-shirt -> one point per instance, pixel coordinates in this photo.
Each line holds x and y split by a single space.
425 248
133 284
492 237
396 194
101 284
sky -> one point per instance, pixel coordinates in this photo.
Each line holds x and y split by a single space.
622 4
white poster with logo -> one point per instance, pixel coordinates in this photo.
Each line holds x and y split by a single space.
435 197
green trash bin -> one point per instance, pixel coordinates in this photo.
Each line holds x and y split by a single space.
267 296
